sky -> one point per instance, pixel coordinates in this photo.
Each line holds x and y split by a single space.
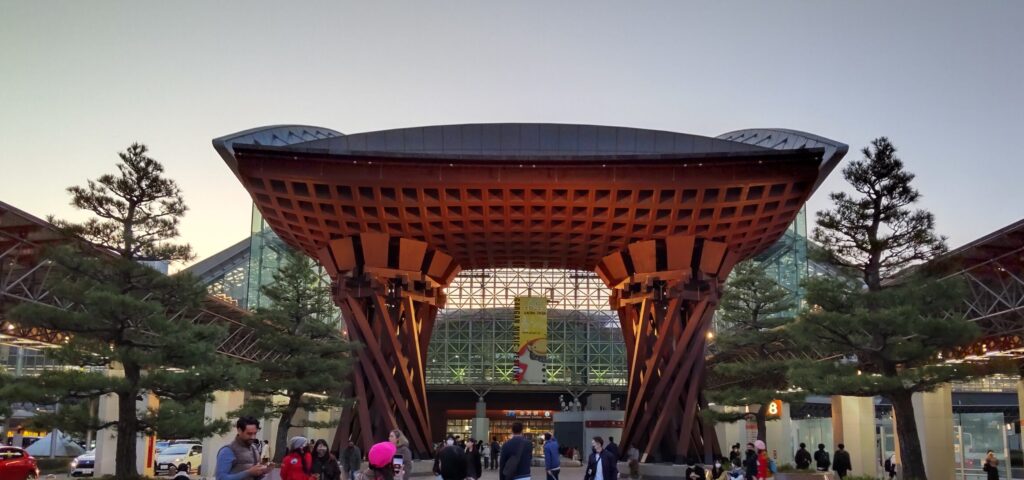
80 81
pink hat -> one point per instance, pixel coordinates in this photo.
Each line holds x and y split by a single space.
381 454
759 445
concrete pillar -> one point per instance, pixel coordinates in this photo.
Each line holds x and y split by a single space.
779 437
106 439
933 413
730 434
223 403
853 424
481 424
323 417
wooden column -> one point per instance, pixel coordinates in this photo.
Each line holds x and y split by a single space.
389 290
665 292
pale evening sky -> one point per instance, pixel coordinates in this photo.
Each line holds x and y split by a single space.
79 81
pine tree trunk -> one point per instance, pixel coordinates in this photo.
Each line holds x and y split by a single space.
762 423
906 432
124 464
285 424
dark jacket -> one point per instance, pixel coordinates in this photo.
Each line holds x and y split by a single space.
450 463
750 464
821 460
352 458
695 470
613 449
512 447
735 458
841 462
803 459
474 464
327 467
495 449
609 467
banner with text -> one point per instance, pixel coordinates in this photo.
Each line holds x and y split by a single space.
531 318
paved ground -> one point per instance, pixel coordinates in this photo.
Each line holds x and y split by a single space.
568 473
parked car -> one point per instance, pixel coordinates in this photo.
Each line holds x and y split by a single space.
84 464
17 464
168 459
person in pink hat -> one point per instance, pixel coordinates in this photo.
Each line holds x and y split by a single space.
763 471
380 467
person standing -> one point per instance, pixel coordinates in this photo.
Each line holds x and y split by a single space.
240 459
821 460
450 462
351 460
298 463
763 470
552 463
495 451
890 466
991 466
612 448
516 455
601 465
841 462
750 462
474 467
324 464
803 458
402 449
485 452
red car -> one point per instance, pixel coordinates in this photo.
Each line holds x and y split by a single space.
17 464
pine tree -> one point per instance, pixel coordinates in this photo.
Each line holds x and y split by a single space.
892 329
752 348
125 317
299 324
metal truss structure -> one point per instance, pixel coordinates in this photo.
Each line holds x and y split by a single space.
474 340
993 269
25 276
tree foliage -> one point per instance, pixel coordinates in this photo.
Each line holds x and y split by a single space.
877 233
890 331
751 347
128 326
300 324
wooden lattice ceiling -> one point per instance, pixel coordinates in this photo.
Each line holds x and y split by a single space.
554 212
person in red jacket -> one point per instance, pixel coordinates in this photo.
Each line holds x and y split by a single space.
763 471
298 464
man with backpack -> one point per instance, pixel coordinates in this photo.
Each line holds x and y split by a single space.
821 458
516 455
803 458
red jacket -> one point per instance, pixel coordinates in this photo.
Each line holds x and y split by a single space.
294 468
762 465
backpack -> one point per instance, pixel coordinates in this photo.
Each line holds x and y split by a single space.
511 466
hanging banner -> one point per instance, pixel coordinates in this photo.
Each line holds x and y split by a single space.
531 318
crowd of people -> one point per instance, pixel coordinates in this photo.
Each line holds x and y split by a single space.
245 458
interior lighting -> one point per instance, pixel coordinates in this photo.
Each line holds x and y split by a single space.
711 335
